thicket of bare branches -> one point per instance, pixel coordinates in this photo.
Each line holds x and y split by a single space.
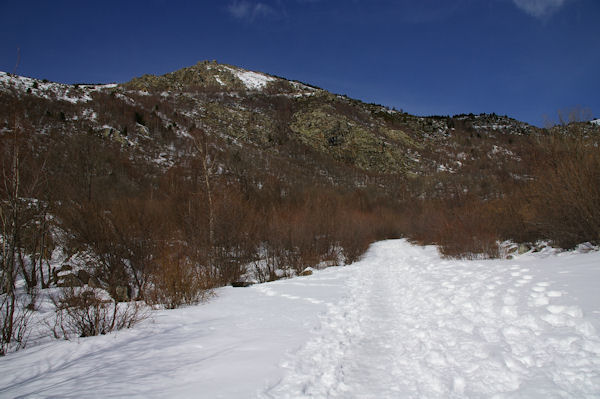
557 198
170 237
85 312
563 202
24 237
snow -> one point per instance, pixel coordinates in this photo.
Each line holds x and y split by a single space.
403 322
419 326
444 168
595 122
100 86
252 80
218 79
301 86
50 90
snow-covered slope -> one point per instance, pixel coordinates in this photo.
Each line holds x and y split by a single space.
401 323
50 90
252 80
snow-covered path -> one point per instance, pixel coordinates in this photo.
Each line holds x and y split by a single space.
413 325
402 323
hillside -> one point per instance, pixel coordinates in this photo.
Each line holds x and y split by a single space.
165 187
265 120
246 107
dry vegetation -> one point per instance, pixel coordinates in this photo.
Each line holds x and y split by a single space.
556 198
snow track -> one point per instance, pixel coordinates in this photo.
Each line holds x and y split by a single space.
402 323
412 325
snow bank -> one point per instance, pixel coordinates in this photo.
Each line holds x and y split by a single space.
401 323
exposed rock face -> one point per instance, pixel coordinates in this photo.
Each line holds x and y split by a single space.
350 141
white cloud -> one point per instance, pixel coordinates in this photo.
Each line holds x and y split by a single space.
249 10
539 8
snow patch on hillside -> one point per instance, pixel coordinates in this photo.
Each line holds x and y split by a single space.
50 90
219 81
252 80
595 122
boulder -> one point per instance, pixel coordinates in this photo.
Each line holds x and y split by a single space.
523 248
241 284
59 272
93 282
68 280
83 275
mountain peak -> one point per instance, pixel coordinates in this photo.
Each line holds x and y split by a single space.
212 76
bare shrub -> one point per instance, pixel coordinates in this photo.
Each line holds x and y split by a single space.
354 235
138 226
235 241
14 326
22 174
462 228
269 264
469 230
86 312
177 280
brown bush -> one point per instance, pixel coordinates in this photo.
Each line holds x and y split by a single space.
176 280
14 324
564 198
354 234
464 227
86 312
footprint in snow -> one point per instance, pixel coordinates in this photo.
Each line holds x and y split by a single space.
573 311
538 299
510 300
509 312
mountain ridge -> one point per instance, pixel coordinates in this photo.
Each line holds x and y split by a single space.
270 114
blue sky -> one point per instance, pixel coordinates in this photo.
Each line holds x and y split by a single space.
523 58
